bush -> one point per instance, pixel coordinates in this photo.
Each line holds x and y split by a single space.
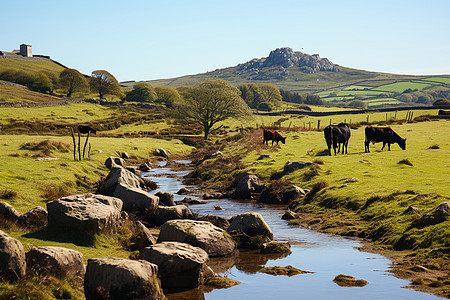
142 92
442 102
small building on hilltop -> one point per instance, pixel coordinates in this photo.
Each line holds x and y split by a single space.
25 50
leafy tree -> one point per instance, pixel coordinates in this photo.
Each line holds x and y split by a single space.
104 83
141 92
357 104
41 83
167 95
261 96
269 93
210 102
73 81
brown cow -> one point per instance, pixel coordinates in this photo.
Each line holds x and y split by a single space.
272 135
383 134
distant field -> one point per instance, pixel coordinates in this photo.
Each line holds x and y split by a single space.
401 86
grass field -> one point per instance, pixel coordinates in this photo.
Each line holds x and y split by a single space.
30 65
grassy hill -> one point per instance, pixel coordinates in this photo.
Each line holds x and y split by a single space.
373 88
30 65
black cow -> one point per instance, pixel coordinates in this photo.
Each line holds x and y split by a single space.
383 134
86 129
444 112
336 135
272 135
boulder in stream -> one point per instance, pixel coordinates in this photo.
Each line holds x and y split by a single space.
120 278
180 265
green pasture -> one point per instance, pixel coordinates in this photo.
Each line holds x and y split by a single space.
401 86
70 113
382 101
377 172
32 179
356 87
444 80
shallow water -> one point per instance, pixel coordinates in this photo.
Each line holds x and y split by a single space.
325 255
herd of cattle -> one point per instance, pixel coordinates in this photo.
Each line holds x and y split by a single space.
337 135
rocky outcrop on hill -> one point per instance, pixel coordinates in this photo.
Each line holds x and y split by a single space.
180 265
203 234
120 278
281 59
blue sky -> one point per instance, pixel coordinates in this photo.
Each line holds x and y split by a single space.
143 40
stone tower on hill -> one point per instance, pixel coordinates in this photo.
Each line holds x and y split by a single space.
25 50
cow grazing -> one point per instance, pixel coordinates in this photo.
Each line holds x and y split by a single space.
385 135
86 129
444 112
272 135
335 135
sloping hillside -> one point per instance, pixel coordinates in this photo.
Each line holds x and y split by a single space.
30 64
295 71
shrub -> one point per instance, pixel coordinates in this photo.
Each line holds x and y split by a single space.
405 162
8 194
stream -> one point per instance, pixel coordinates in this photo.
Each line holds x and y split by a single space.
325 255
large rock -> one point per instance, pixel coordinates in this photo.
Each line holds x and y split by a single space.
57 261
114 162
35 218
165 198
119 176
167 213
119 278
126 186
251 224
245 185
89 213
136 199
143 237
250 230
180 265
12 258
439 215
203 234
280 194
8 212
161 152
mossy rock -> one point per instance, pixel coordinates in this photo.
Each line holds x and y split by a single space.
348 281
285 271
219 282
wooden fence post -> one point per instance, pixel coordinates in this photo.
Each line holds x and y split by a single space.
74 144
85 143
79 148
